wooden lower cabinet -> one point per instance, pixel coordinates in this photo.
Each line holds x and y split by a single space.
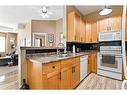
70 74
89 63
123 76
63 74
50 75
51 80
66 76
75 75
92 63
34 75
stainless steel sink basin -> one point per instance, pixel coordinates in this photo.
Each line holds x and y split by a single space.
60 55
63 55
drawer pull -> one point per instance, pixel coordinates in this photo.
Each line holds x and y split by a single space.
60 75
72 69
53 67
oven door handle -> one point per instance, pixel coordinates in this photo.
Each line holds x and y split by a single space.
111 55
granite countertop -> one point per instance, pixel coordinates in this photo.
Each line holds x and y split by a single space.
53 58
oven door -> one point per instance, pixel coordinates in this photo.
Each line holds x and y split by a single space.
110 62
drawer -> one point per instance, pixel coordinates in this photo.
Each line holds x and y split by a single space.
50 67
67 62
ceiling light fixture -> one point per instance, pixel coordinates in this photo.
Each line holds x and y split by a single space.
105 11
44 12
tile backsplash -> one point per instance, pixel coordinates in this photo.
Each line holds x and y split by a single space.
83 47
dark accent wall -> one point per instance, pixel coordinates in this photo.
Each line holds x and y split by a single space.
35 51
92 46
83 47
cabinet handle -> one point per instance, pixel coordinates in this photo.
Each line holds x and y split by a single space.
81 38
75 37
110 28
60 75
72 69
53 67
107 28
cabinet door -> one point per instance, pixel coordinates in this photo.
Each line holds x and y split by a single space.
94 62
51 80
66 76
94 32
89 63
34 75
77 27
115 23
103 24
82 31
70 27
88 32
75 75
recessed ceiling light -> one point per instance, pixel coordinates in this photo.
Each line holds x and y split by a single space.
105 11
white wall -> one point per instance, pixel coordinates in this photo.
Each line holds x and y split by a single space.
24 35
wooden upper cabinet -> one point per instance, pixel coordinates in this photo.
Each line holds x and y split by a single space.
82 30
91 32
103 24
115 23
73 28
88 32
110 24
94 32
77 27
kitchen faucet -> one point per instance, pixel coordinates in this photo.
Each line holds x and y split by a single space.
58 51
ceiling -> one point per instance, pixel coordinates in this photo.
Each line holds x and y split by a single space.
10 16
88 9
